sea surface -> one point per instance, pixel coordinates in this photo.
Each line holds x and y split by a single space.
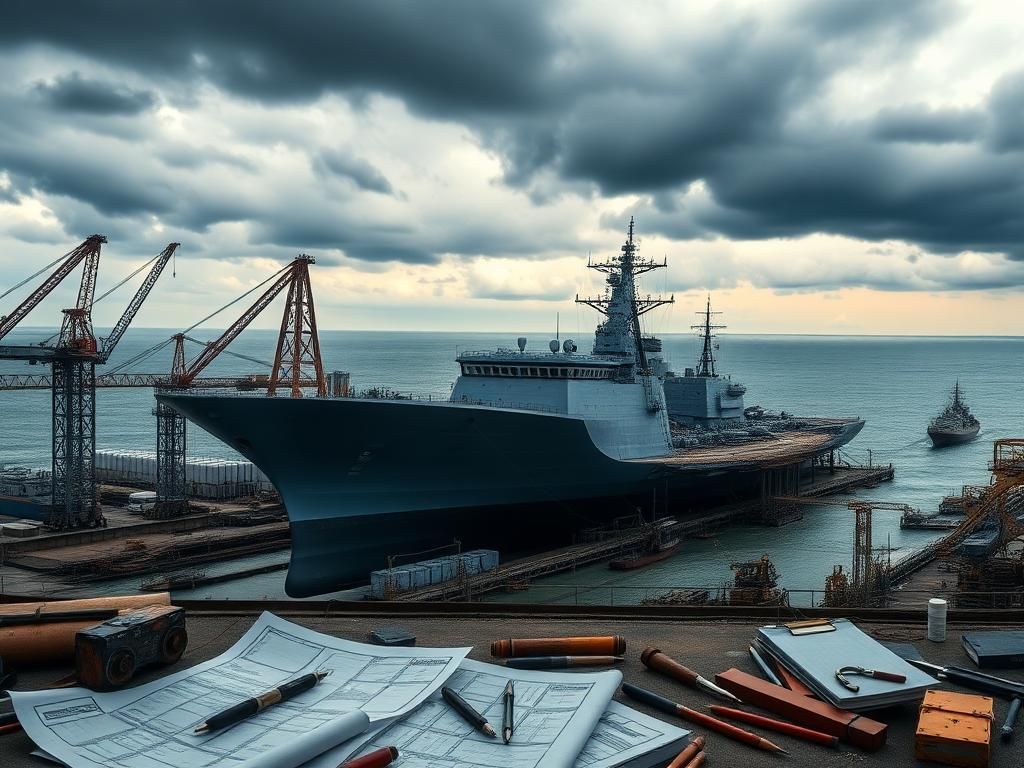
895 383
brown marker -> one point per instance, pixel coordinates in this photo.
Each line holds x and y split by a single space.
657 661
560 646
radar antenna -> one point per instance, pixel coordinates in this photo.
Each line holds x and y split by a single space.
620 302
706 363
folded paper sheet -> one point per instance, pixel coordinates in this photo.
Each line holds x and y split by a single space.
562 720
151 726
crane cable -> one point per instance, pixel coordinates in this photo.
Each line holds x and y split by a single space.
146 354
133 274
34 276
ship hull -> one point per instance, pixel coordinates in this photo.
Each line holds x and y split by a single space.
941 439
363 480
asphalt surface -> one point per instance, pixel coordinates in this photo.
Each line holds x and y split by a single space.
706 646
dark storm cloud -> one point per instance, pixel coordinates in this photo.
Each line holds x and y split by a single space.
74 93
918 123
1007 108
344 164
734 105
442 56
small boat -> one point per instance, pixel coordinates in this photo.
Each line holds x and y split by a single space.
956 424
638 560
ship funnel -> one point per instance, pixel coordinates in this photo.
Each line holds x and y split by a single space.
568 346
521 341
553 345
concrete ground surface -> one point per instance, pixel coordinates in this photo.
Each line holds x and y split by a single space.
704 645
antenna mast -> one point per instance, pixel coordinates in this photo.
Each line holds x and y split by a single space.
706 364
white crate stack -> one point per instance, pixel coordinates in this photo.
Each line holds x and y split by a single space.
207 478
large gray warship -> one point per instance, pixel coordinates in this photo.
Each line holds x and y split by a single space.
956 424
530 447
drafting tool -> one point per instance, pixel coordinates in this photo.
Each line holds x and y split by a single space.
466 712
726 729
562 662
781 726
969 678
379 758
613 645
698 760
684 757
250 707
1006 732
655 660
842 672
508 718
763 666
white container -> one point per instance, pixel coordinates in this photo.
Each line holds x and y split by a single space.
937 608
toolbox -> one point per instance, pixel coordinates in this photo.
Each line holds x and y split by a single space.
954 729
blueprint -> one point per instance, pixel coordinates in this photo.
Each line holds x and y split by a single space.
624 737
555 715
151 726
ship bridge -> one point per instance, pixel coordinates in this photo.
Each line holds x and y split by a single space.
544 366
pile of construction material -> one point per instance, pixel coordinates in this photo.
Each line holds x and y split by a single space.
390 581
206 478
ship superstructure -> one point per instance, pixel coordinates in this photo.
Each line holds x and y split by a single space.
701 396
530 447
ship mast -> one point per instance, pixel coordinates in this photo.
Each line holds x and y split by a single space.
620 334
706 364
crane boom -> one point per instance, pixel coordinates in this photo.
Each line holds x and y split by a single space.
215 348
89 249
136 303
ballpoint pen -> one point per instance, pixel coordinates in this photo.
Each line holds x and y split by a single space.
250 707
466 712
509 717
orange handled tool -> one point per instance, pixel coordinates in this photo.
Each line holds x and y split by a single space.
655 660
780 726
560 646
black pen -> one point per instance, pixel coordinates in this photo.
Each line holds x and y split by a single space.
509 717
250 707
466 712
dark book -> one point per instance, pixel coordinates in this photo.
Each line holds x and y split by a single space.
1002 648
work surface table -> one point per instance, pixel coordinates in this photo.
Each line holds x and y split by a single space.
706 646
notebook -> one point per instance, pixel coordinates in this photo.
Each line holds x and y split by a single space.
1002 648
814 659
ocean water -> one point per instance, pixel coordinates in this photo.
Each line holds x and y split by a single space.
895 383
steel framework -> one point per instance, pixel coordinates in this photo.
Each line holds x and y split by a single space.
73 380
298 345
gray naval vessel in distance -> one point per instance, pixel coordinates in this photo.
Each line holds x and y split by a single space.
531 446
956 424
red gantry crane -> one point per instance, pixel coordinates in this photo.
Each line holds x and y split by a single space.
73 362
298 347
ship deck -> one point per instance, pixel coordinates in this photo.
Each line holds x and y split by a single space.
708 644
780 448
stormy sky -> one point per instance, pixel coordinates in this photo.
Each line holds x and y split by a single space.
832 167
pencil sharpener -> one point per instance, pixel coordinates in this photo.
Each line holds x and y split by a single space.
108 655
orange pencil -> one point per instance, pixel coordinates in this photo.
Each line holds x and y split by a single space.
12 728
781 726
726 729
698 761
690 752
